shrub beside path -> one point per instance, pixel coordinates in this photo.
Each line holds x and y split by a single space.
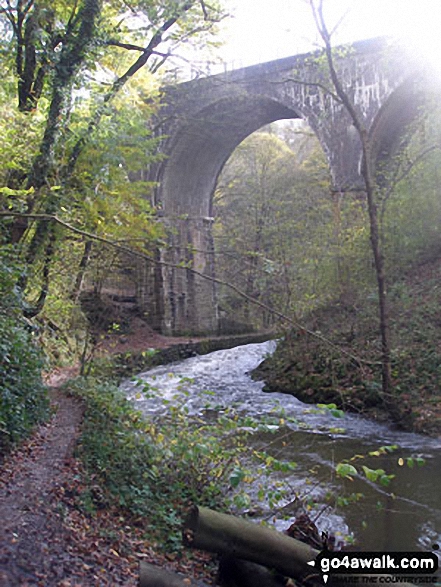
46 538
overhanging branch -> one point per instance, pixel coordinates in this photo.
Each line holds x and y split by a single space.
150 259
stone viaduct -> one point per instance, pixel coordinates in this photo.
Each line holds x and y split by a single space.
203 121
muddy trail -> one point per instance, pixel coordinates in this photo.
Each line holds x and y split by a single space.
47 537
32 533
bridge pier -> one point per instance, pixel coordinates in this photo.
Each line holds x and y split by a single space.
189 295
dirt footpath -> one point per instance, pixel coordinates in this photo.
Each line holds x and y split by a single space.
32 549
48 538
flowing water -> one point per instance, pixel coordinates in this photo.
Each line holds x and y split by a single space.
406 515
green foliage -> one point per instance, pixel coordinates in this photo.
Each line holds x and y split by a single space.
332 409
155 469
75 128
103 200
298 246
307 253
315 373
347 470
411 229
272 209
23 399
411 461
21 134
379 475
346 500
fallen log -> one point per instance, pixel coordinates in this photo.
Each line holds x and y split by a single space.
152 576
238 538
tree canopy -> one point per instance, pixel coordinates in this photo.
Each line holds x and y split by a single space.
66 64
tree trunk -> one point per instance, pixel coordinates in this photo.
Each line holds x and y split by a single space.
31 312
367 172
72 56
151 576
81 270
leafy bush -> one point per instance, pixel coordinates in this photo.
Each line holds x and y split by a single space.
23 398
157 469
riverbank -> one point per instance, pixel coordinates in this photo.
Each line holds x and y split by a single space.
341 364
60 527
133 361
73 526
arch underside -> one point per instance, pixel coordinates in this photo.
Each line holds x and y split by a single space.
199 145
203 144
393 127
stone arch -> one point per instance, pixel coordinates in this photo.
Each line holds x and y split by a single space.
205 120
200 148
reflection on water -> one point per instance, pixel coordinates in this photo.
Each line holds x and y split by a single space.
404 516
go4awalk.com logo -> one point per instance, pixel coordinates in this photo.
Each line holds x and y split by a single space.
378 567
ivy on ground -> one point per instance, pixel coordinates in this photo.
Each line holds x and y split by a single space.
23 397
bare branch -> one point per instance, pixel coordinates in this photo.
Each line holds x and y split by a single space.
127 46
398 177
28 6
131 47
118 84
71 22
204 9
150 259
370 186
132 10
340 20
159 63
8 12
411 164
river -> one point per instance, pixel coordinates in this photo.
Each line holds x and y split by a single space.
406 515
